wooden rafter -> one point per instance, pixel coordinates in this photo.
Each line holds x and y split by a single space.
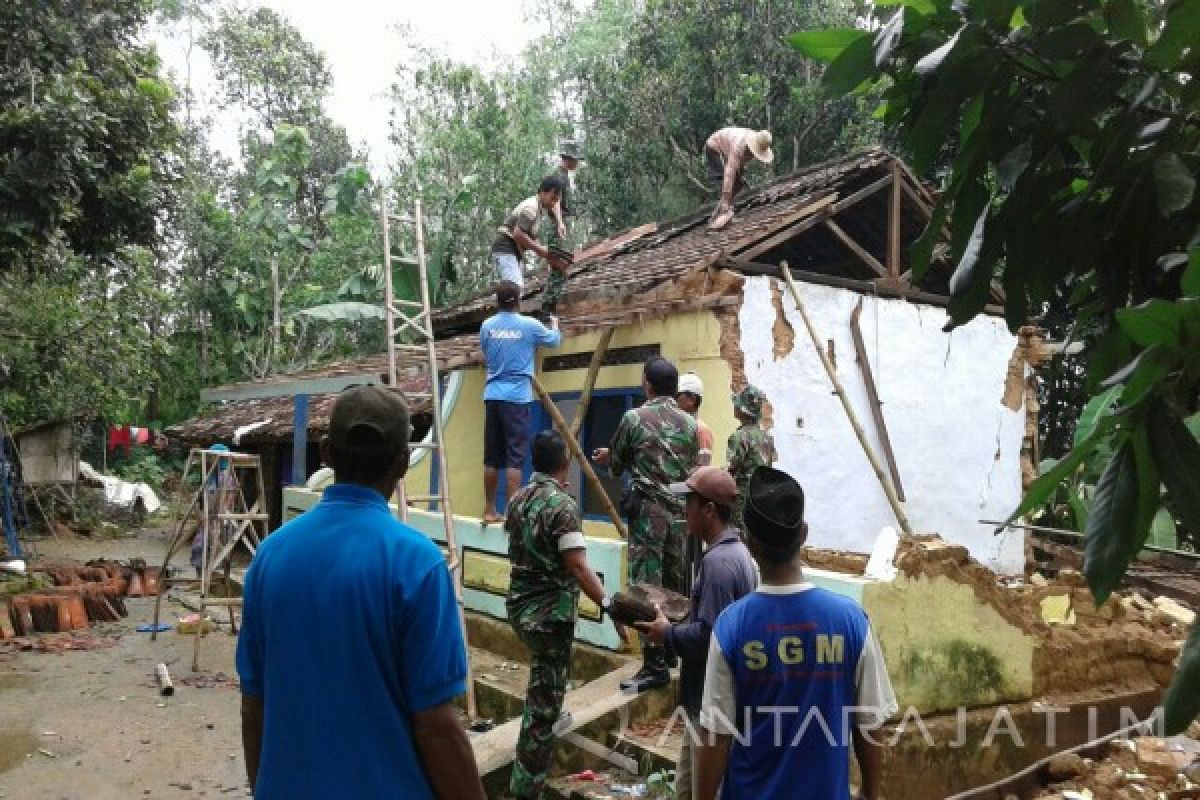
790 226
856 248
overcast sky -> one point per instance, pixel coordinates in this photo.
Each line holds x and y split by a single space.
360 40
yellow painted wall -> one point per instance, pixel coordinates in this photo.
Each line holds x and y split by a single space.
691 340
946 648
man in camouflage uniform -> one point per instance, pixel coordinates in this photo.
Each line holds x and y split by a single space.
749 446
657 444
556 281
549 567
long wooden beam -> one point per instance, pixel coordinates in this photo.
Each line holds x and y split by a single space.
564 430
856 248
864 366
793 224
877 288
894 208
831 371
585 396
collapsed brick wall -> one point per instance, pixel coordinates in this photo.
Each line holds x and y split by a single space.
1118 646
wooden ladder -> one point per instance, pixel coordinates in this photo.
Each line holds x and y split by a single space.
220 499
412 320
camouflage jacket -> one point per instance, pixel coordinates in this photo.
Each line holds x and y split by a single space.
541 523
657 444
749 447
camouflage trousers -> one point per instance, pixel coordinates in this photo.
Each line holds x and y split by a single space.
549 671
556 281
656 539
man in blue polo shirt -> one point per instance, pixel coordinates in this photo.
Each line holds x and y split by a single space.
509 341
794 673
351 650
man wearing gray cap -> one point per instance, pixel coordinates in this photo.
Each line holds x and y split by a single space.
725 573
351 651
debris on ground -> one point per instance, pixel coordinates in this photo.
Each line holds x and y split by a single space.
210 680
1145 767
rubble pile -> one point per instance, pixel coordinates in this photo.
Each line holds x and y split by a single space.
1131 769
63 597
1125 643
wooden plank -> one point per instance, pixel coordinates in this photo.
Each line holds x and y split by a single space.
894 207
564 430
864 366
496 749
856 248
585 397
880 289
290 388
793 225
861 194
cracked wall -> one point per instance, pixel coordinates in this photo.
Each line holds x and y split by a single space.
957 447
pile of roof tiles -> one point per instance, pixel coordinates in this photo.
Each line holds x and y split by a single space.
79 596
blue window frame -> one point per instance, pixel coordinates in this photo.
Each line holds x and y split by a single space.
605 410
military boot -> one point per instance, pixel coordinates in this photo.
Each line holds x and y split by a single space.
653 674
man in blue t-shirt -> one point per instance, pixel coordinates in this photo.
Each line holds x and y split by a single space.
794 673
509 341
351 650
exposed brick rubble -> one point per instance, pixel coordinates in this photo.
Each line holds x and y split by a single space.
1127 643
1145 767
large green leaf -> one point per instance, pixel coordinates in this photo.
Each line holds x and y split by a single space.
343 312
1162 531
1112 538
1191 276
964 274
888 37
1182 701
932 60
1126 21
1159 321
1179 33
1042 489
1177 456
1174 181
826 45
852 66
1098 408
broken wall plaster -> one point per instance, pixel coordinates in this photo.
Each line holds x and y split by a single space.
931 394
783 333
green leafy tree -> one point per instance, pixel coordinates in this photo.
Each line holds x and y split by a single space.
1077 132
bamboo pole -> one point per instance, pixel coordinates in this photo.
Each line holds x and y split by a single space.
890 492
585 397
564 430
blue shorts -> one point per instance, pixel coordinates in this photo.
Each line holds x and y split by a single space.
505 434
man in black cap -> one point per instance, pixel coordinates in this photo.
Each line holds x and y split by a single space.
351 651
782 655
725 574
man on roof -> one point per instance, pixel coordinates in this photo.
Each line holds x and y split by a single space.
569 160
518 234
726 154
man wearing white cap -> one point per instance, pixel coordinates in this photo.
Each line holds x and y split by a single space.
689 398
726 154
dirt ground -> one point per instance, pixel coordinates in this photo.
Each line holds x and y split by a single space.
90 724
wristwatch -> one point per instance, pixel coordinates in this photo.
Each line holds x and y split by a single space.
605 605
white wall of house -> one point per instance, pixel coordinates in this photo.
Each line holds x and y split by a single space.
958 449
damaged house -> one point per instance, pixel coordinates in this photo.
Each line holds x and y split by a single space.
951 415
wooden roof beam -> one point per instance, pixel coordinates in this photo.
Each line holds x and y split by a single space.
857 249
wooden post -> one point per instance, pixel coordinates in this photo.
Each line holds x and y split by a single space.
564 430
893 501
893 239
585 397
864 366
